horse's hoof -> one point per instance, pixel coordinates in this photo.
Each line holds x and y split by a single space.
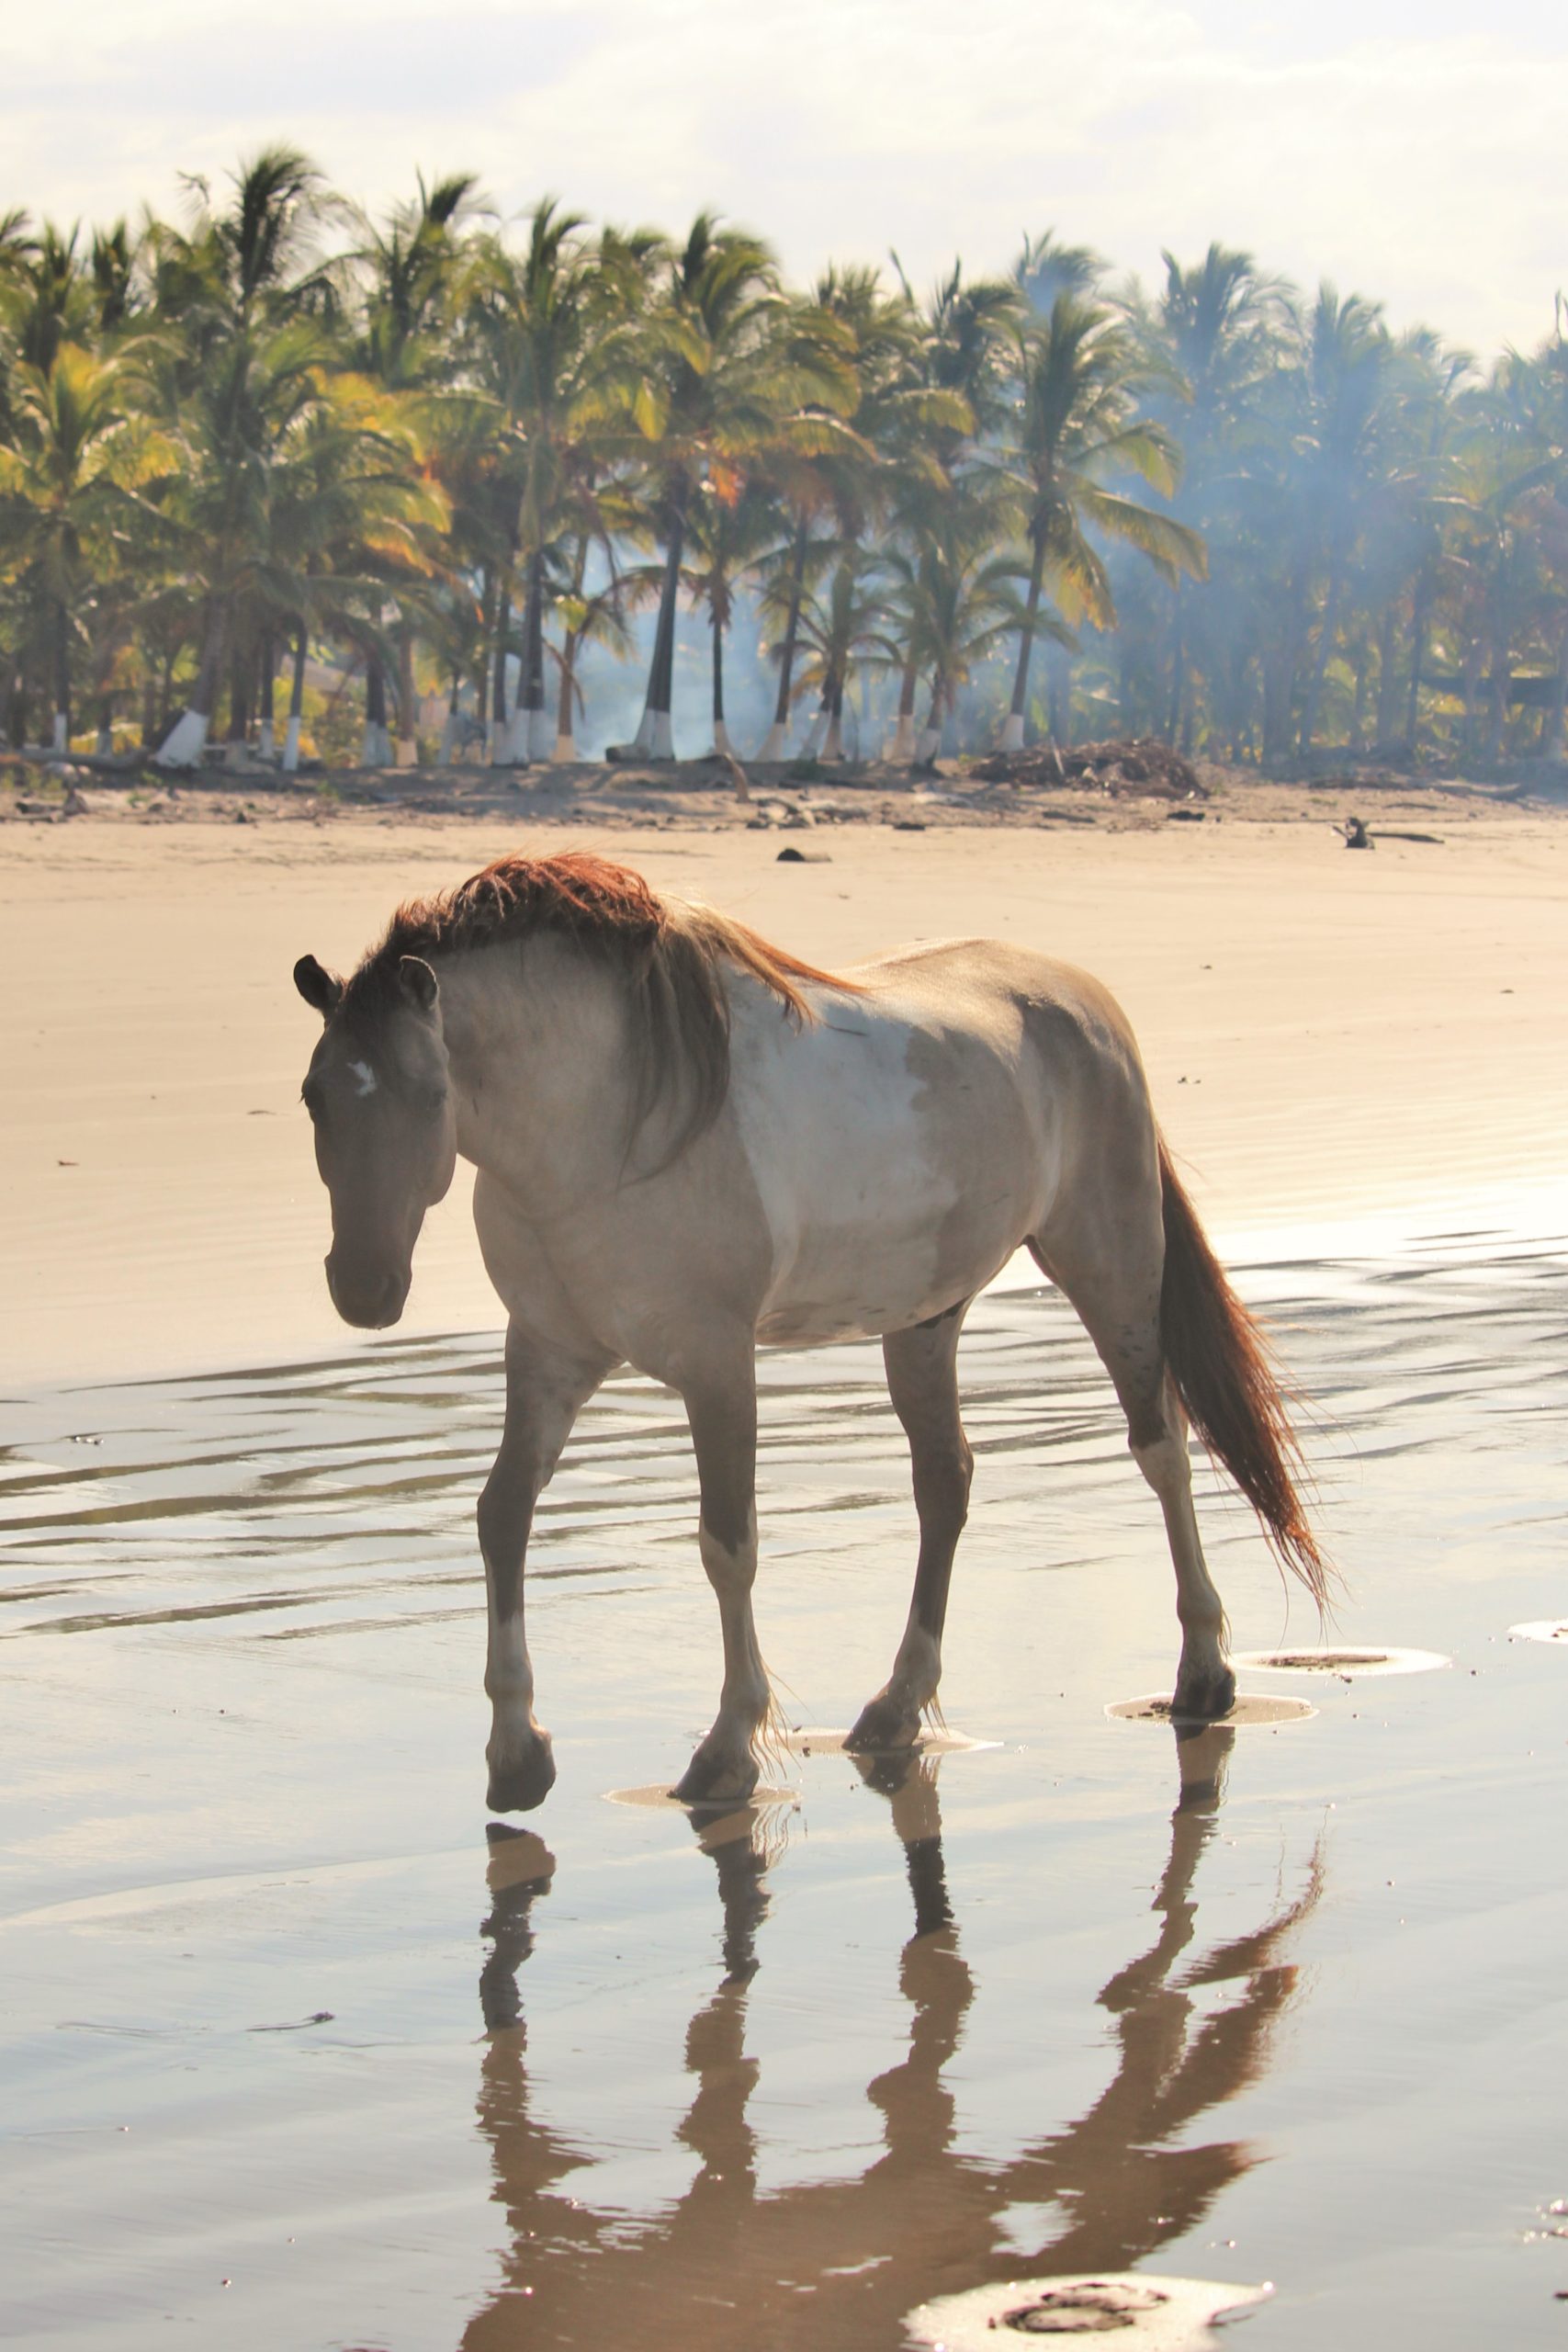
1205 1699
525 1781
714 1780
885 1721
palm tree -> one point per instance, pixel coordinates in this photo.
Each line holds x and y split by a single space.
1349 353
553 355
409 267
845 629
733 375
731 524
69 488
1075 428
952 597
244 301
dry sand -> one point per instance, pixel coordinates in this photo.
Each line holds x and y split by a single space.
1328 1035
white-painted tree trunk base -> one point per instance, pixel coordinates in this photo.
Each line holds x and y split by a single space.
1012 731
185 742
926 749
774 742
655 738
407 751
448 750
904 737
105 742
541 734
833 743
512 750
268 740
62 740
376 749
563 751
812 747
721 740
291 747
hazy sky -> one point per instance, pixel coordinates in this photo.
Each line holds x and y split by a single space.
1411 152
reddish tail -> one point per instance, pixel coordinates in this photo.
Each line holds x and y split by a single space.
1218 1359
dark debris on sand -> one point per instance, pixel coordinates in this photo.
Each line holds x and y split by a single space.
1147 768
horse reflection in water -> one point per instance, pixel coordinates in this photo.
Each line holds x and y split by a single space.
726 2265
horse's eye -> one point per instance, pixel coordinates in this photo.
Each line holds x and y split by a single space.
430 1102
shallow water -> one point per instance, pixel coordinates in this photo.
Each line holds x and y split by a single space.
295 2056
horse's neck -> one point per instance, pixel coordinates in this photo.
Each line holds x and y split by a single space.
534 1041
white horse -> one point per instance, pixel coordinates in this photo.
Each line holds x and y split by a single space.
689 1142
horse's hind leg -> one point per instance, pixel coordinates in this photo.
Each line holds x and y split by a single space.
922 1379
1111 1265
721 1407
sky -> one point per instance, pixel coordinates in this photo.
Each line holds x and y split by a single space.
1413 154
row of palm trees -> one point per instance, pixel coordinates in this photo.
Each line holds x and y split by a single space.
281 449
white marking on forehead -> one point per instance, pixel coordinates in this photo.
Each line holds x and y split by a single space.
365 1076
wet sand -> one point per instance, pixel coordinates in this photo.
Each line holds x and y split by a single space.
1327 1035
295 2056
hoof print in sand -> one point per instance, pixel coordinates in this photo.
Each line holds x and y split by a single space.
1349 1665
1248 1711
1162 2314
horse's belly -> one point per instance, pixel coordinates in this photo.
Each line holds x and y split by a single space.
855 1280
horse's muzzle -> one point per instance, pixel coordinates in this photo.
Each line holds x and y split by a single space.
368 1298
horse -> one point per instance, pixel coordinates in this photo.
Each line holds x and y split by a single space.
690 1143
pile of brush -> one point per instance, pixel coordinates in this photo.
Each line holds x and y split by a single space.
1145 769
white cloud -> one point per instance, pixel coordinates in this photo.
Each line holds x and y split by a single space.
1410 151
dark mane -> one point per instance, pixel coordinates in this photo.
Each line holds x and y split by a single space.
670 955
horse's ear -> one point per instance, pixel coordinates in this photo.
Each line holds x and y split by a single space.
318 986
418 982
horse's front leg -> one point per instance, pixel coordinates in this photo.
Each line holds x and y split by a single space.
722 1408
922 1379
545 1392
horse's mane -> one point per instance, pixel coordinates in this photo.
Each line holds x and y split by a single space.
670 954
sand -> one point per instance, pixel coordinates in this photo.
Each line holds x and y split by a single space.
1328 1035
297 2054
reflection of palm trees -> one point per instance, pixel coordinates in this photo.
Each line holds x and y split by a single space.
847 2258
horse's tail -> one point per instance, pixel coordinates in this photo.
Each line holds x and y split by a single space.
1219 1362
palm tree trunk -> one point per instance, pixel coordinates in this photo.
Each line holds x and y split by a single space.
1388 674
566 738
238 696
1417 654
498 693
904 732
62 678
1359 708
296 704
1551 742
720 733
376 751
267 671
1173 718
187 739
1320 664
408 716
777 736
528 727
655 738
1012 733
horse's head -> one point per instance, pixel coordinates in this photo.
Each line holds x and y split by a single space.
378 1092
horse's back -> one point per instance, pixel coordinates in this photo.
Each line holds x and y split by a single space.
906 1139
